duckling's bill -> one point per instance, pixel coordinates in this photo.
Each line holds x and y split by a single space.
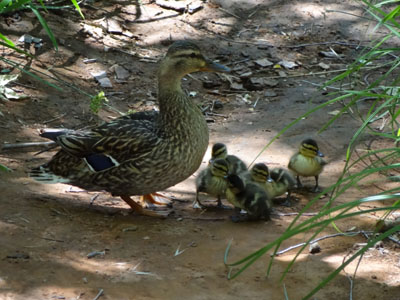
211 66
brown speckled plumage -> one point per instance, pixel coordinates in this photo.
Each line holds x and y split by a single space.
153 150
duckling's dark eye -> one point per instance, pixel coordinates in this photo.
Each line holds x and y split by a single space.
193 55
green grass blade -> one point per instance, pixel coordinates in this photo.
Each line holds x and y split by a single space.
78 8
45 26
13 6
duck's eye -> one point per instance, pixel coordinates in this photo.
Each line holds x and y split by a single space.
193 55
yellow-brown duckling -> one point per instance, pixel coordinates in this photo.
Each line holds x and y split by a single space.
276 182
212 181
307 162
248 196
236 165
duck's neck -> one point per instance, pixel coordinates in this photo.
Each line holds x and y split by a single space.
175 107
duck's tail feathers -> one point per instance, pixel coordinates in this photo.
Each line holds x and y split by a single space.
53 133
44 175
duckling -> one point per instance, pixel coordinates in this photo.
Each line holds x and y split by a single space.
212 180
248 196
307 162
275 183
236 165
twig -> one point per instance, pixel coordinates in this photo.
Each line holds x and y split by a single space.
54 119
9 146
204 219
217 115
93 198
100 293
53 240
292 214
253 13
229 13
350 14
319 239
393 240
255 103
351 287
237 62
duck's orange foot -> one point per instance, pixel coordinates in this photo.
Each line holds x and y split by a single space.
157 199
139 209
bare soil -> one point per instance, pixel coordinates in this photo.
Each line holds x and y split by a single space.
47 231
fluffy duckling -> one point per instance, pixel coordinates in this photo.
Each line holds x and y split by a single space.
236 165
212 181
248 196
307 162
275 183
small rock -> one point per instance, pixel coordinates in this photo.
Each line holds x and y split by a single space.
99 75
113 26
89 60
131 228
282 74
246 74
288 64
263 47
195 7
218 104
323 66
244 54
121 72
315 248
379 245
105 83
271 82
263 62
258 83
102 79
208 84
270 94
236 86
179 6
128 33
26 38
330 54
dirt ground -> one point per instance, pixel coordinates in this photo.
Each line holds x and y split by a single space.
47 231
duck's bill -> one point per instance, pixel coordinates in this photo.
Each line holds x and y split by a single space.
320 154
215 67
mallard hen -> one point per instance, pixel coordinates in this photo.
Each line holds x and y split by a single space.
212 181
236 165
140 153
248 196
307 162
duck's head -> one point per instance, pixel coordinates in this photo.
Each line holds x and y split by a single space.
235 183
219 168
260 173
185 57
309 147
218 151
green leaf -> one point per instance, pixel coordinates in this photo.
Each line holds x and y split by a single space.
4 168
97 101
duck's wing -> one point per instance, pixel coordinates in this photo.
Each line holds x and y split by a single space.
112 143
